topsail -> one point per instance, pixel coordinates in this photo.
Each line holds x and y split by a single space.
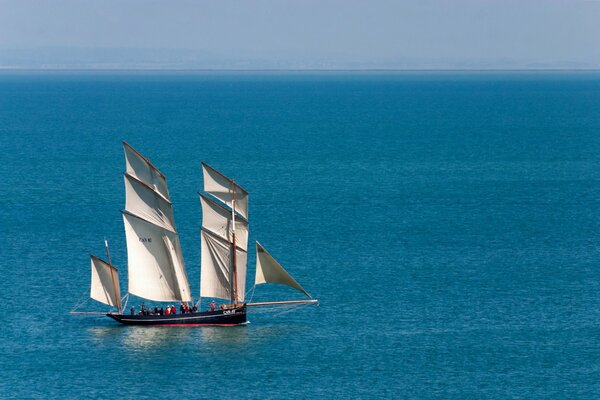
224 189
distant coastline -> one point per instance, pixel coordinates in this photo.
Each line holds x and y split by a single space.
67 69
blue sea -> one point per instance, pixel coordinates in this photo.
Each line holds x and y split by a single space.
449 224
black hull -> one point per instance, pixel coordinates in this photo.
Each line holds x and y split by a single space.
206 318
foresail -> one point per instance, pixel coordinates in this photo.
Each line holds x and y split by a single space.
220 186
154 271
268 270
216 274
105 283
141 168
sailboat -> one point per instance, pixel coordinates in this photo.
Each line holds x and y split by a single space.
156 269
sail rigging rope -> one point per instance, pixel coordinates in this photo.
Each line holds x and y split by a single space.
252 295
277 309
81 302
126 298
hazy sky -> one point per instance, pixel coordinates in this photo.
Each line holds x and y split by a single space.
296 34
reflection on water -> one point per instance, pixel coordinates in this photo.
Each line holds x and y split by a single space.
145 338
142 337
151 337
105 333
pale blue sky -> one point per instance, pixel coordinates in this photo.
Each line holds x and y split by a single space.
300 34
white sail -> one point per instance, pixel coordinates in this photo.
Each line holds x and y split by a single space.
141 168
156 267
105 283
143 201
217 219
174 248
216 275
268 270
220 186
156 270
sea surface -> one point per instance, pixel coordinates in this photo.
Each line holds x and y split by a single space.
449 224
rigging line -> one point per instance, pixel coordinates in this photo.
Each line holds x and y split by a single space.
252 295
81 302
292 308
126 298
276 311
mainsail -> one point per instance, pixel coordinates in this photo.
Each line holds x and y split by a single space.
223 272
156 268
268 270
105 283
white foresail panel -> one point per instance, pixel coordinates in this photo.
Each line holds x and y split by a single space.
105 283
220 186
268 270
217 219
151 251
141 168
144 202
216 274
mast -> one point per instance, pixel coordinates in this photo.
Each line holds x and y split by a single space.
234 295
107 251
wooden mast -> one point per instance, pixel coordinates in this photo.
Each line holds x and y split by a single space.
234 294
112 276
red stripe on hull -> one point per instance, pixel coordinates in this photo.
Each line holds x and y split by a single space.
192 325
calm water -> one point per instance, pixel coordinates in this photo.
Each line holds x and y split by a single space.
449 224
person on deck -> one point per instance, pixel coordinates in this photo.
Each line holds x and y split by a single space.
212 305
173 310
168 310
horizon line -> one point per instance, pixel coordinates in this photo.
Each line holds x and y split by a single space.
133 69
